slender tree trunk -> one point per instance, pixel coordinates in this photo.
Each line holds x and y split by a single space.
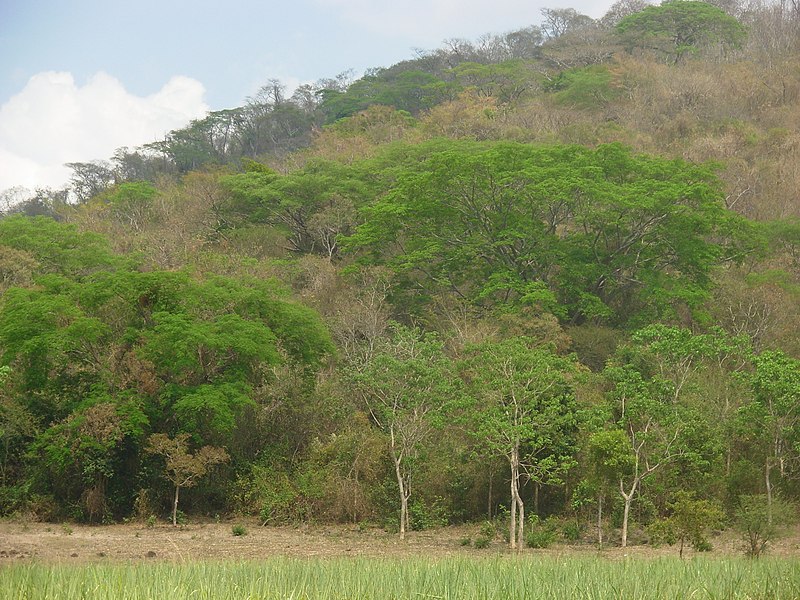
768 483
600 520
515 503
175 507
512 528
491 493
403 496
625 515
536 497
401 485
628 497
521 525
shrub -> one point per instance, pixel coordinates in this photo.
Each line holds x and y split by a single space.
428 515
239 530
572 531
689 522
540 534
482 542
759 524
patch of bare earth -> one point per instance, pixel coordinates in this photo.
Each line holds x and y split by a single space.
215 541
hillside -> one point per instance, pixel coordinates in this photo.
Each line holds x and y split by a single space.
551 271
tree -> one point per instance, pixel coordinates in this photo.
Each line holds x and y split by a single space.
645 413
90 178
560 21
621 9
773 415
609 460
689 521
182 467
405 387
603 232
520 405
679 28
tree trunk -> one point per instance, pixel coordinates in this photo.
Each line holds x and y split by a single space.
628 498
515 499
175 507
403 497
625 514
600 520
768 483
521 524
489 503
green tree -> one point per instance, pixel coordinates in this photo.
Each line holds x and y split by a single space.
604 232
405 387
773 415
610 459
679 28
655 425
520 405
689 520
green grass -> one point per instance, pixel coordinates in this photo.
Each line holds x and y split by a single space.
492 577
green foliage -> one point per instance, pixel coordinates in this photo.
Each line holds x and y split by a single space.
520 395
601 233
58 248
408 90
428 515
689 521
680 27
760 521
239 530
269 492
541 534
584 88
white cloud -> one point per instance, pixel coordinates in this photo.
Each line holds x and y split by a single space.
425 21
53 121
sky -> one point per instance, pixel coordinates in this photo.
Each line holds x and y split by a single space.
81 78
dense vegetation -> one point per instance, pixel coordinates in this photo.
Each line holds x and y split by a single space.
552 272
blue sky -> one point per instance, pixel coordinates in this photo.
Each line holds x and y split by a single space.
80 78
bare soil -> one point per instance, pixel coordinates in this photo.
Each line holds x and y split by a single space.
56 543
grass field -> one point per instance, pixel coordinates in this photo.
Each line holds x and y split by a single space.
495 577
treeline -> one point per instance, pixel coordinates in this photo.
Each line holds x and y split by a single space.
504 279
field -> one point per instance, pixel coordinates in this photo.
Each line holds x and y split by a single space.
49 562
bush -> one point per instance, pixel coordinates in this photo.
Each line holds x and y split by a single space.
239 530
482 542
760 525
572 531
689 522
488 529
540 534
428 515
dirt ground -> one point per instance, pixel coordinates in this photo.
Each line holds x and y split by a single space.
47 542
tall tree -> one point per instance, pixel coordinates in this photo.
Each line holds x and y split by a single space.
520 405
773 415
604 232
405 388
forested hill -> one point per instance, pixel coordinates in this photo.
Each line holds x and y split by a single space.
551 272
